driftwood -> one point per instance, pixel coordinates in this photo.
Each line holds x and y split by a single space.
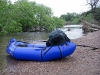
88 27
91 25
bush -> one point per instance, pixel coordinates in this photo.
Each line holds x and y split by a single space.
13 27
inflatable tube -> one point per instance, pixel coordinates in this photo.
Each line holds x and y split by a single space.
38 52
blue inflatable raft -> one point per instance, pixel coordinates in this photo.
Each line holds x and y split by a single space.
38 52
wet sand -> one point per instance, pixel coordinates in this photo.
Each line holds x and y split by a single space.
84 61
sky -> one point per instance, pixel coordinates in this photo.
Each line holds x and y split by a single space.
60 7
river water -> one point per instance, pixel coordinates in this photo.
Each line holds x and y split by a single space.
31 37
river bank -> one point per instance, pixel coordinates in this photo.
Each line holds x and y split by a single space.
84 61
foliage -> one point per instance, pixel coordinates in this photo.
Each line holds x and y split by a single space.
68 16
74 18
13 27
89 15
97 15
23 16
94 4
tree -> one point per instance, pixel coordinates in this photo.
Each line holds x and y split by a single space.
3 16
42 13
93 4
23 16
68 16
71 18
25 12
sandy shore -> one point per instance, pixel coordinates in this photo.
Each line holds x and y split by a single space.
84 61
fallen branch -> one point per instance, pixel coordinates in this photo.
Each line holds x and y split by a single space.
93 48
91 25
